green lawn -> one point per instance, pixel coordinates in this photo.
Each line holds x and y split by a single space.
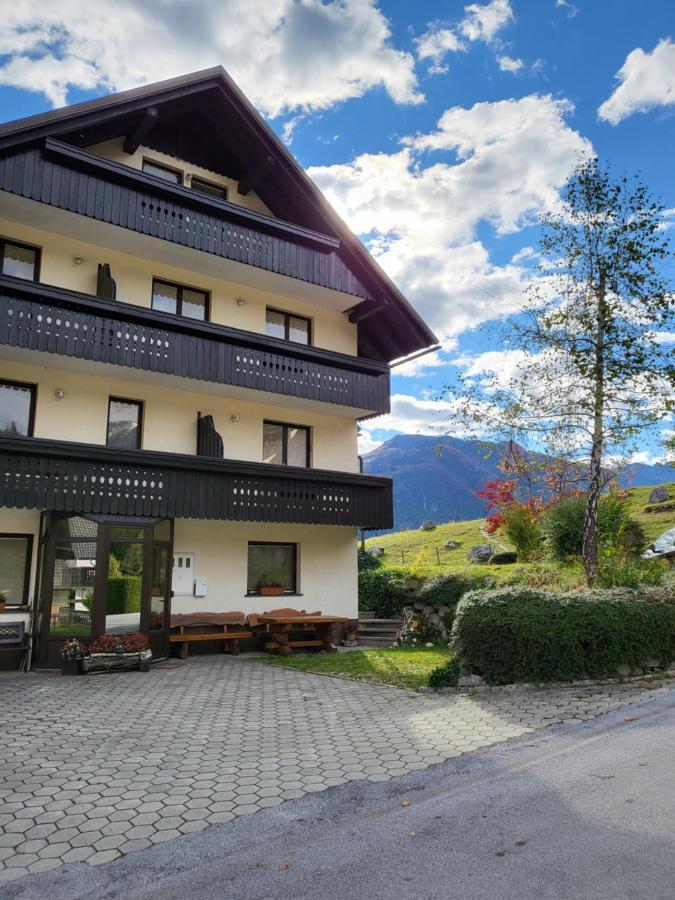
401 667
403 547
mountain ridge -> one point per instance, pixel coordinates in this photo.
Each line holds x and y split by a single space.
437 477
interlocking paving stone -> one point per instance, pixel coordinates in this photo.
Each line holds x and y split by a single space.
156 762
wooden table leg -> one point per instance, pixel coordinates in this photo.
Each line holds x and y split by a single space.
325 634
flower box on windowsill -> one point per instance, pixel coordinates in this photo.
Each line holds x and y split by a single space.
99 662
272 590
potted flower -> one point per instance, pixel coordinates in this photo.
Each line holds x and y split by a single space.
119 651
72 654
351 633
268 587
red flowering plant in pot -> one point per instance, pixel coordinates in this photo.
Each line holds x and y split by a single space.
119 651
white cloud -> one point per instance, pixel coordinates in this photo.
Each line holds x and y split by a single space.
509 64
510 158
647 80
286 55
409 415
665 337
435 45
483 21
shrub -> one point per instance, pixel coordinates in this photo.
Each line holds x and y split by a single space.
505 558
124 594
619 570
422 562
563 526
442 590
523 634
445 676
383 591
522 529
368 562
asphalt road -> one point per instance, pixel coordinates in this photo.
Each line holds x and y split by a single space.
579 811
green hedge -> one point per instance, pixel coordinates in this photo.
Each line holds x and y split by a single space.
124 594
522 634
384 592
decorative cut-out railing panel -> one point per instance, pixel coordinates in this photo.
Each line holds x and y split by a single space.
53 320
86 478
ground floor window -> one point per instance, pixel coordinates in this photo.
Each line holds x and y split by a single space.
15 556
272 566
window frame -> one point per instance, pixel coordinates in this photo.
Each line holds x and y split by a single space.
294 545
165 167
284 441
29 565
141 417
212 184
179 298
287 317
33 400
34 247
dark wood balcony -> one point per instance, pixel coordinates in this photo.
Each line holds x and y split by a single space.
40 317
87 478
81 182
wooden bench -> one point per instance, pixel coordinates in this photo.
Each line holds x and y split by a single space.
226 628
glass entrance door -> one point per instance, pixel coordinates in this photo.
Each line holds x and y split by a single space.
104 577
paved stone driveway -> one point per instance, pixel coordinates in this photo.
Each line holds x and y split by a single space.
91 768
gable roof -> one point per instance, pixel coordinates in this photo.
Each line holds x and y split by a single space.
221 131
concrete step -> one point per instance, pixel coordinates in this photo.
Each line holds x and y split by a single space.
379 629
372 641
373 621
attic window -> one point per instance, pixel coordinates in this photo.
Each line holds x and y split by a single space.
207 187
163 172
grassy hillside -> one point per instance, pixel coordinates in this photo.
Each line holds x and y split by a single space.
428 547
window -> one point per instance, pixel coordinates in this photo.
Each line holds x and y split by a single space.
17 409
179 300
272 565
207 187
285 445
288 327
19 260
164 172
16 551
124 424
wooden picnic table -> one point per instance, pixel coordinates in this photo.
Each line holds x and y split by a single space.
279 629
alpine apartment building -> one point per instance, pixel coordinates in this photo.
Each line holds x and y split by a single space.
189 336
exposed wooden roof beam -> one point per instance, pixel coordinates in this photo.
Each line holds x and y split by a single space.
364 311
142 130
255 176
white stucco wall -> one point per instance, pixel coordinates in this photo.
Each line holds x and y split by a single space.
170 416
331 329
327 569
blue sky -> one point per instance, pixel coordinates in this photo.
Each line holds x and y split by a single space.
438 129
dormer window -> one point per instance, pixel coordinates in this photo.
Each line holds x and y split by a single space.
164 172
180 300
288 326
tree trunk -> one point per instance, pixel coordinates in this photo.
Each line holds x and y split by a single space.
589 549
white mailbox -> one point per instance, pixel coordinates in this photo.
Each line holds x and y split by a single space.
201 586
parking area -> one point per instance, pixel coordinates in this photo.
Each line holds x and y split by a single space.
95 767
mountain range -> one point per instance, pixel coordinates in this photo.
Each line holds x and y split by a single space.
437 477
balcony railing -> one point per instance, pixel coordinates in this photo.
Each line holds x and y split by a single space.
53 320
86 478
81 182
